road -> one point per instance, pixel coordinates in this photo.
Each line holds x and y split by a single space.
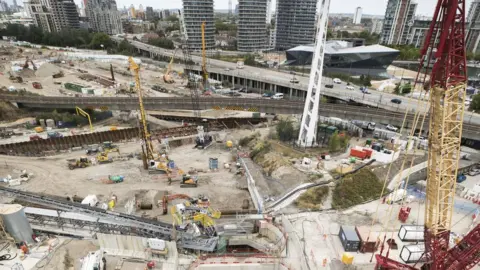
376 98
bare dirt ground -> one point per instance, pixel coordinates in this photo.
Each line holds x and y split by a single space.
76 249
51 176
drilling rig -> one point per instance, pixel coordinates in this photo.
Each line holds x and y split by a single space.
445 42
147 147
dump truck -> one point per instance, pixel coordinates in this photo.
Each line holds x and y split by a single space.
82 162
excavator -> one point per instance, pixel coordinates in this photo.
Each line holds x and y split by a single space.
189 181
169 198
167 78
27 60
82 162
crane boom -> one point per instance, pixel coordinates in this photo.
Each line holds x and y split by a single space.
144 134
445 42
204 58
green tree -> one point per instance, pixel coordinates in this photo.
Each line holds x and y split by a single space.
285 130
171 18
396 90
162 43
334 143
406 88
249 59
367 81
344 140
100 39
475 104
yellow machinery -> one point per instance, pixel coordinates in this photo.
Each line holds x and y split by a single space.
147 146
83 162
103 157
86 115
204 58
167 78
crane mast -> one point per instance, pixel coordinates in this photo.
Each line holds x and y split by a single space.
144 134
204 58
445 45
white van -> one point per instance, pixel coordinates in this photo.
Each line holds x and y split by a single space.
337 80
278 96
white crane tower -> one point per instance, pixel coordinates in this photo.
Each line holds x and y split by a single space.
308 128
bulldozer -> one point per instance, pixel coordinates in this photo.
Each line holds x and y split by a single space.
82 162
188 181
103 158
108 146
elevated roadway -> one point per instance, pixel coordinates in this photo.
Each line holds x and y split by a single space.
471 128
279 82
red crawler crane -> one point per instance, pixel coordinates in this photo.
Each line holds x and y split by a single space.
447 95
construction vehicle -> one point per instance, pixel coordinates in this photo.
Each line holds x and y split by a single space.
35 138
86 115
27 60
203 139
204 59
82 162
444 53
147 147
16 79
169 198
206 223
93 149
189 181
167 78
103 158
37 85
54 134
58 75
109 147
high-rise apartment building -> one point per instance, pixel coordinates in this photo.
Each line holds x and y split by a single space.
376 27
194 13
399 17
53 15
104 16
357 16
149 14
418 31
65 14
41 15
252 32
473 27
295 23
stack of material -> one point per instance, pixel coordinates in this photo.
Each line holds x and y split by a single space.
47 70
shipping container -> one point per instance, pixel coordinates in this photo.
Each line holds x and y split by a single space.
369 152
411 233
358 153
412 253
349 238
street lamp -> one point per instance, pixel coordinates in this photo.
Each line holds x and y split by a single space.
471 115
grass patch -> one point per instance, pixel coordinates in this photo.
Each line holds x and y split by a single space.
356 188
247 139
312 198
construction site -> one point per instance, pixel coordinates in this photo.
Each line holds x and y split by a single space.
92 187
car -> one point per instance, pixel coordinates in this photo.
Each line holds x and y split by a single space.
227 69
396 101
245 90
235 94
337 80
294 80
364 90
278 96
35 138
349 87
474 172
328 85
267 95
391 128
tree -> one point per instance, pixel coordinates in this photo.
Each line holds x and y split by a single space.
344 140
367 81
475 104
162 43
100 39
171 18
406 88
396 90
334 142
249 60
285 130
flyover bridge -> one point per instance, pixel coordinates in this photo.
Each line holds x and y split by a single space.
344 111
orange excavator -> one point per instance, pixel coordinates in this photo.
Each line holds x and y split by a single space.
168 198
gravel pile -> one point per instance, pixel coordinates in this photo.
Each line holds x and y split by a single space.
47 70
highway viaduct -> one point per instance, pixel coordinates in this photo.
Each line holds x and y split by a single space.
344 111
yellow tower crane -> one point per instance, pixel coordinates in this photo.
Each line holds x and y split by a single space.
204 58
144 134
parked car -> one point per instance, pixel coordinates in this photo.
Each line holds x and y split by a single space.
396 101
328 85
227 69
364 90
35 138
337 80
234 94
277 96
245 90
349 87
392 128
54 134
474 172
267 95
294 80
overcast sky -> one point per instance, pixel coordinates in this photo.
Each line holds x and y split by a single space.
373 7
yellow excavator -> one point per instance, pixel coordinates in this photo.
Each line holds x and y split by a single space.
189 181
103 158
167 78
